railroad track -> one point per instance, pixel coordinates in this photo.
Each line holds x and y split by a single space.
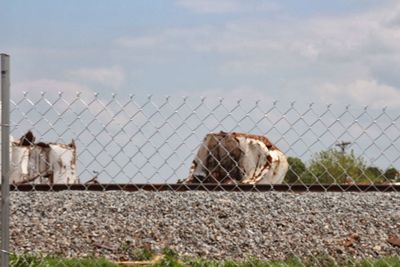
211 187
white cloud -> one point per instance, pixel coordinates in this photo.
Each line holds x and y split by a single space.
169 39
227 6
361 92
35 87
113 76
289 54
310 39
231 96
210 6
344 37
60 95
139 42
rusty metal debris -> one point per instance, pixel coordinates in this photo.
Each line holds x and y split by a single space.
93 180
237 158
42 163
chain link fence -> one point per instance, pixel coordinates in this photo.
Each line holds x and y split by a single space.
153 141
127 139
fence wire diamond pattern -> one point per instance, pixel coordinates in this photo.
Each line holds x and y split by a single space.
154 139
131 140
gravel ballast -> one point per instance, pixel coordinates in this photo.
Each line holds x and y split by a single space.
219 225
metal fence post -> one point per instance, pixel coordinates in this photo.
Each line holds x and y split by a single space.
5 158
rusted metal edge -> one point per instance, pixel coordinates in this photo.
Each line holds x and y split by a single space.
209 187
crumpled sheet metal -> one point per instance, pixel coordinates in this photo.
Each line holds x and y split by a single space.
42 163
238 158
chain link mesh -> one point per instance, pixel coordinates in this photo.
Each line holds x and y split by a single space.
154 139
131 140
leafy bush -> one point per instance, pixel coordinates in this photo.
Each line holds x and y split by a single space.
391 174
296 170
374 173
333 166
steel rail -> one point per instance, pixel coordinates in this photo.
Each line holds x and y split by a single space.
210 187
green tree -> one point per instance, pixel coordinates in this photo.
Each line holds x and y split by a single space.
332 166
296 170
391 174
374 173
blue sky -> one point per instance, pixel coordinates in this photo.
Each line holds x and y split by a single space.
327 51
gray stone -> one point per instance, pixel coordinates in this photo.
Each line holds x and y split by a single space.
220 225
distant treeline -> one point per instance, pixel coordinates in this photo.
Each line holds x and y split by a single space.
333 166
